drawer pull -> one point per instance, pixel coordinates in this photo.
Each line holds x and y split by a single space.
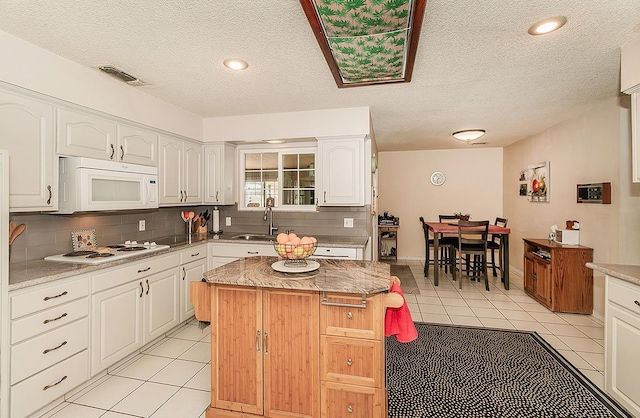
636 302
46 321
55 384
350 409
253 252
257 340
349 315
54 348
363 303
143 270
56 296
349 362
195 255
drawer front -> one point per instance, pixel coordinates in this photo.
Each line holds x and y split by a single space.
352 321
193 254
356 362
243 250
32 394
352 401
623 294
135 271
30 357
53 318
47 297
336 253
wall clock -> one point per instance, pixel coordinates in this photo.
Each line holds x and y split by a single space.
437 178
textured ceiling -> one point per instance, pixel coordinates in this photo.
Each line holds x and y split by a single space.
476 65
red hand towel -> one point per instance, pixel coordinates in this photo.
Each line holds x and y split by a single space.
398 321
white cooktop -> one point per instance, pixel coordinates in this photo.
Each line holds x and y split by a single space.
106 254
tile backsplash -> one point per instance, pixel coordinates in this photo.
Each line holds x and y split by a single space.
51 234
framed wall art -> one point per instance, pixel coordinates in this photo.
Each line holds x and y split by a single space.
538 179
523 189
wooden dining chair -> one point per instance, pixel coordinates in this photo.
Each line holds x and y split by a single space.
495 244
446 261
472 241
447 243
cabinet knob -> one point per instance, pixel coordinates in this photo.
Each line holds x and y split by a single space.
349 362
349 315
350 409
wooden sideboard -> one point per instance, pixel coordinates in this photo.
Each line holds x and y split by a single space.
556 275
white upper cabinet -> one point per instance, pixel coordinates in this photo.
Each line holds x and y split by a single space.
341 175
219 166
180 172
85 135
27 132
136 145
630 84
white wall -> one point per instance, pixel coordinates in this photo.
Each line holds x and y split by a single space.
591 148
288 125
29 66
473 185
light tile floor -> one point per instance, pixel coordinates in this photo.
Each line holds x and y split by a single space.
172 377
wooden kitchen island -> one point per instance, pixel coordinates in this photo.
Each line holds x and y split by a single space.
295 344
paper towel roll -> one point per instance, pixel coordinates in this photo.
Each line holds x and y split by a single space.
216 220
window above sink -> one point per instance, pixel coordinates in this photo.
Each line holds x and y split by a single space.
286 174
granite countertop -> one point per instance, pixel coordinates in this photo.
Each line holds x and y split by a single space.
33 272
344 276
624 272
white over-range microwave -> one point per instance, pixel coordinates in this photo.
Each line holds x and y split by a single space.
89 185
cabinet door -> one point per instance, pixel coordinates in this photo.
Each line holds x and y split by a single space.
213 174
190 272
85 135
236 349
543 282
193 173
116 317
635 137
291 352
170 171
26 131
137 146
621 357
341 172
529 271
161 303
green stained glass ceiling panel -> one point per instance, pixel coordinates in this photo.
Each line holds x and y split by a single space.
367 41
363 17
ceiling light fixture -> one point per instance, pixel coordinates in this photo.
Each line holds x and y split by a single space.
469 134
235 64
274 141
547 25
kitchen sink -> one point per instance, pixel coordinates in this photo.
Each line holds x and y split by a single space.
254 237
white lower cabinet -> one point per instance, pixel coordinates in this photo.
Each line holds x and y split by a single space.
49 343
193 264
142 305
622 339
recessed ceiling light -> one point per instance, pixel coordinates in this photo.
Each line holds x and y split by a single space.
469 134
235 64
547 25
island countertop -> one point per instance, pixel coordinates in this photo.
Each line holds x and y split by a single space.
344 276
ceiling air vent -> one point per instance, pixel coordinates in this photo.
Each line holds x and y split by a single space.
122 76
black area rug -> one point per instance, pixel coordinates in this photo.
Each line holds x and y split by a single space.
407 281
452 371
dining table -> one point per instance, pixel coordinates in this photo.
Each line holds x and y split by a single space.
449 228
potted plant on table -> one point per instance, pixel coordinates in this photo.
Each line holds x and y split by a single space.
462 216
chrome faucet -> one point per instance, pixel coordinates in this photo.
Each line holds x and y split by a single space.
268 213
